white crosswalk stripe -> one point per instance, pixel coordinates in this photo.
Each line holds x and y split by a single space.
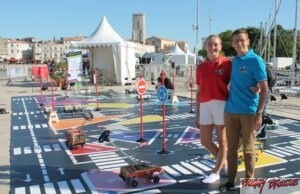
275 152
187 168
108 160
37 149
65 187
170 135
286 121
23 127
180 116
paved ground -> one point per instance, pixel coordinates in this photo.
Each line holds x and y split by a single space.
11 160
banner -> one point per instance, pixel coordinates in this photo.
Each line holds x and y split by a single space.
74 61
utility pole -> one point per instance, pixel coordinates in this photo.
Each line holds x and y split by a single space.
196 28
275 35
293 68
209 22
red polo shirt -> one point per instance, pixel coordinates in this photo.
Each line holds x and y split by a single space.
213 78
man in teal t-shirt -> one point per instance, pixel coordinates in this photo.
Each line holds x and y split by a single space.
243 109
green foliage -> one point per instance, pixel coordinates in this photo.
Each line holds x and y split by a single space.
258 39
60 71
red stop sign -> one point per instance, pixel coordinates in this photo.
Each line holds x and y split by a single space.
141 86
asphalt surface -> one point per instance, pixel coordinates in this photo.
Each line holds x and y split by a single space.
34 156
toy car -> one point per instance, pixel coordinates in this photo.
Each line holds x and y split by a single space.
258 148
75 136
131 172
78 107
69 108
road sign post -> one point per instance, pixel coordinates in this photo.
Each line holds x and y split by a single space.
191 84
141 89
162 94
96 86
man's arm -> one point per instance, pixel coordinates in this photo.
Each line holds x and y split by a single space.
263 95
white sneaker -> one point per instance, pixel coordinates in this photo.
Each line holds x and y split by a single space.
211 178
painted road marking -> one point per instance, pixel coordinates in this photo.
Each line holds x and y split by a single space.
288 150
78 186
27 150
53 188
34 189
49 188
191 167
153 191
185 168
37 149
171 171
23 127
265 159
20 190
108 160
181 169
63 187
110 181
286 121
202 166
180 116
47 148
17 151
274 153
56 147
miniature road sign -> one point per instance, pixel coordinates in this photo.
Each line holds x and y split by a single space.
141 86
162 93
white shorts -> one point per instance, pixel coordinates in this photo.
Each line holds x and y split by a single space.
212 112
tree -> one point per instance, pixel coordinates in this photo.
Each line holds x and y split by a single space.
226 43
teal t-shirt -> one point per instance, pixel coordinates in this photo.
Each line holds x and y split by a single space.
246 72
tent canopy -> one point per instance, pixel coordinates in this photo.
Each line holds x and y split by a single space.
109 53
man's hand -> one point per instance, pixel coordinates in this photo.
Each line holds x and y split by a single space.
257 121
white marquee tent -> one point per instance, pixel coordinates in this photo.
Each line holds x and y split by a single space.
109 53
177 55
191 57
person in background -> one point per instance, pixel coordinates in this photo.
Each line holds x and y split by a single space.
167 82
244 108
212 79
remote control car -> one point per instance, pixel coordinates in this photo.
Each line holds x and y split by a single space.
76 136
130 173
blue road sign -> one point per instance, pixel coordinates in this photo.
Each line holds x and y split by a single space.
162 93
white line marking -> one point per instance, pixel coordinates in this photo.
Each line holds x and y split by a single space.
35 189
17 151
49 188
171 171
63 187
77 186
20 190
181 169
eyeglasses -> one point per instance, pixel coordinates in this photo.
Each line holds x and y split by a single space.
239 40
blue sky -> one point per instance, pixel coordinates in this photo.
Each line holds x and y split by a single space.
173 19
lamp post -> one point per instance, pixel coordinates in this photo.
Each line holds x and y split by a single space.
195 27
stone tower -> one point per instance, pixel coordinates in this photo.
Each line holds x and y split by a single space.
138 28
